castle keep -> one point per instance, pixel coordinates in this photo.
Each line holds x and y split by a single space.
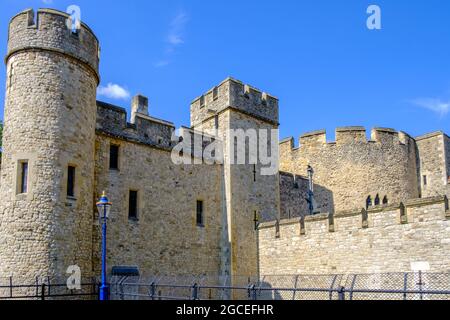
380 203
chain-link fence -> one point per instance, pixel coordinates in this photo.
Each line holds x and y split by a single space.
389 286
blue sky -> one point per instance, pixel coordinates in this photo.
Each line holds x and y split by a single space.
317 56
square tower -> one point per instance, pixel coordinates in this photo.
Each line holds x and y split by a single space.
244 119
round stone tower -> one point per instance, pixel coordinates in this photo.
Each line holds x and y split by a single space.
47 174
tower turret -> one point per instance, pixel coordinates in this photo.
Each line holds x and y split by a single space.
46 190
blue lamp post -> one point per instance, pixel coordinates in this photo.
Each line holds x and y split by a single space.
104 207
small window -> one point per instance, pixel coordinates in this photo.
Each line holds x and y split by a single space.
23 177
10 79
71 182
133 206
200 218
377 200
368 202
202 101
114 157
215 94
216 122
385 200
254 173
425 180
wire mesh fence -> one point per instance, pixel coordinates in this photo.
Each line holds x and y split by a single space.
389 286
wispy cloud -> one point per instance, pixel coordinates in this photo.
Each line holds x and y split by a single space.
438 106
113 91
47 1
176 31
174 38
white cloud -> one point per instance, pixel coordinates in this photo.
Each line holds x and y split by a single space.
174 39
162 63
113 91
438 106
176 30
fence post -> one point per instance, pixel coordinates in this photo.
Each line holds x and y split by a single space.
341 294
254 293
420 285
195 292
43 292
11 287
405 287
152 290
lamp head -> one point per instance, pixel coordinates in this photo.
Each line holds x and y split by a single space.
104 206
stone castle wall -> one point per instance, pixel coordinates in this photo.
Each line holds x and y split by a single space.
52 75
43 232
385 239
352 168
433 168
165 239
447 157
234 94
247 191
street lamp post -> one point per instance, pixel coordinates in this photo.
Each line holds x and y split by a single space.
104 207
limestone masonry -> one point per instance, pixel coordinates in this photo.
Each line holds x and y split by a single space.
380 203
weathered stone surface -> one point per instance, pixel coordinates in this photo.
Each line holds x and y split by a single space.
52 120
385 246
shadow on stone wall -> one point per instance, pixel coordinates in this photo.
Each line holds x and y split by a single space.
294 195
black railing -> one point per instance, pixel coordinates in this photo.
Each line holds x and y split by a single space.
393 286
47 290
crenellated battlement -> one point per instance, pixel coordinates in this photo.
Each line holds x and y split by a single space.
112 121
232 93
348 135
413 211
48 30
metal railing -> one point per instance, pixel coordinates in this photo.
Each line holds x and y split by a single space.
390 286
46 289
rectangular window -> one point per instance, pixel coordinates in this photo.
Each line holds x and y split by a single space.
71 182
199 218
425 180
24 177
216 122
133 206
202 101
114 157
215 93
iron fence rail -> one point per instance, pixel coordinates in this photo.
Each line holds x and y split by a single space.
46 289
389 286
392 286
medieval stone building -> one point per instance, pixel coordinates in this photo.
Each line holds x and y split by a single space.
380 203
